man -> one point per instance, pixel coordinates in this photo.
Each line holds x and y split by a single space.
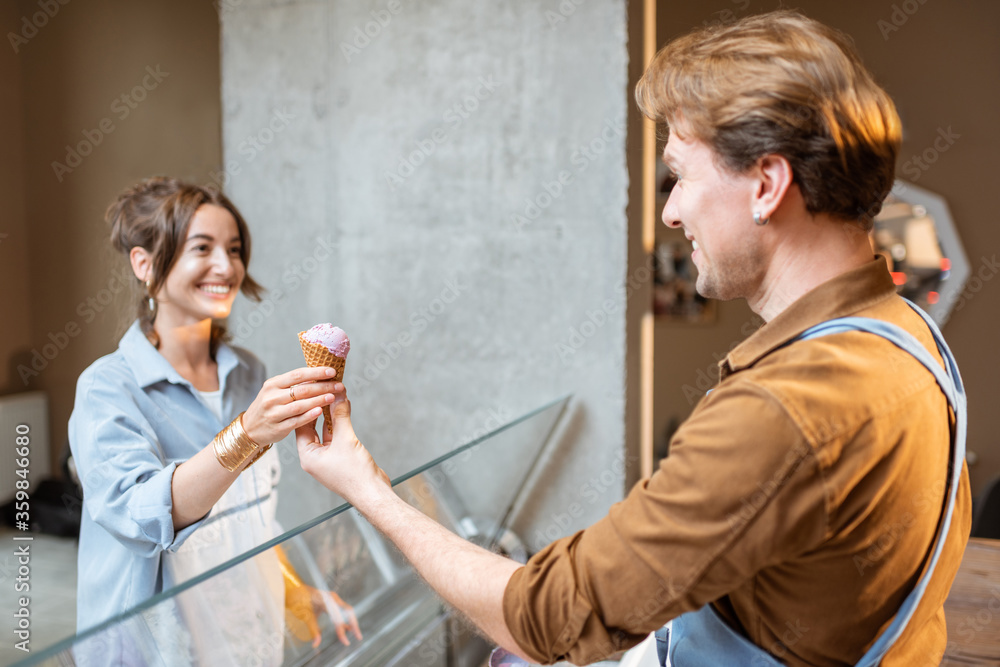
801 501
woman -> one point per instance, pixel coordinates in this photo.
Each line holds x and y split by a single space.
172 432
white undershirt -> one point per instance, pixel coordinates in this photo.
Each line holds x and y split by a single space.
213 399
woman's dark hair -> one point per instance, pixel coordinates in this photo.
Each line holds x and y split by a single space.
154 215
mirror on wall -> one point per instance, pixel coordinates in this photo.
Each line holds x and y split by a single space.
916 234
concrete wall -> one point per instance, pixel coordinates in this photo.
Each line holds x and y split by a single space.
940 64
447 183
75 144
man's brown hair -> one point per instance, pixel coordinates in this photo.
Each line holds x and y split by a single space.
782 83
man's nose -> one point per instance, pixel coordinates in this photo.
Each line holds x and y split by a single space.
670 216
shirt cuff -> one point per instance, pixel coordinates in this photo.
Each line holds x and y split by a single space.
529 632
150 508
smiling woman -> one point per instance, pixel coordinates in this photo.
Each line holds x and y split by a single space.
163 224
206 273
165 431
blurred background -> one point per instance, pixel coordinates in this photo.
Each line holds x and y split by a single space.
466 189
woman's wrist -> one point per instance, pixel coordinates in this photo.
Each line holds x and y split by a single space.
249 427
234 447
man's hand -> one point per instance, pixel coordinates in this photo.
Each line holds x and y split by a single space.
469 577
341 464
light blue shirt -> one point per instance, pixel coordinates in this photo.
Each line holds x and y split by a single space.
135 420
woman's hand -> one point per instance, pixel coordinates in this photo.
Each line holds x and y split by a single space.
289 401
342 464
341 614
304 604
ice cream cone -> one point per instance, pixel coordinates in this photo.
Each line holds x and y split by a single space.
317 354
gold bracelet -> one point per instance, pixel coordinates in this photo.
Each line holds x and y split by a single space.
256 457
260 452
233 446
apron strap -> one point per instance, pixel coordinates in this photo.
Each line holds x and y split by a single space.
950 381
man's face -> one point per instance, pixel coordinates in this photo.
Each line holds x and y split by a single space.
713 206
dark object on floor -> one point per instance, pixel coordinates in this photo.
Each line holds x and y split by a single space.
54 509
986 512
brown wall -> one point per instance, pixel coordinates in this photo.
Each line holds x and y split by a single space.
942 67
68 79
15 332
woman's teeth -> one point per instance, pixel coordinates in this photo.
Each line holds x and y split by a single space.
694 244
216 289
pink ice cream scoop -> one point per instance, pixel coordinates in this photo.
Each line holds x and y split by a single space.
331 337
326 345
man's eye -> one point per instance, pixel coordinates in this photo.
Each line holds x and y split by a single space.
669 181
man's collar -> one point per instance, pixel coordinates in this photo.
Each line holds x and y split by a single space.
844 295
150 367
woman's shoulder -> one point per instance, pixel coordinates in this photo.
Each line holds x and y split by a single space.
110 369
105 387
133 364
116 367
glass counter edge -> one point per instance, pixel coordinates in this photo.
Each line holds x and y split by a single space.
67 643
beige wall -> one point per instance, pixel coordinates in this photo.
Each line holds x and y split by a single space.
942 67
68 80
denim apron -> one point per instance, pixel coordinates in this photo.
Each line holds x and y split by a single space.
701 637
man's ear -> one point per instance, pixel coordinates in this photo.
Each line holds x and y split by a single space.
142 263
775 175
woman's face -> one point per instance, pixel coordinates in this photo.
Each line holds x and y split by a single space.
207 275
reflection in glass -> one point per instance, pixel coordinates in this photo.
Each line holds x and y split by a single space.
218 619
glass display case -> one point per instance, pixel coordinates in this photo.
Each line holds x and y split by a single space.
235 614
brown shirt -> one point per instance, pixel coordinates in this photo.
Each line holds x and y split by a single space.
801 498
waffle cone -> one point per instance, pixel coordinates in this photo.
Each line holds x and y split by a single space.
317 354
